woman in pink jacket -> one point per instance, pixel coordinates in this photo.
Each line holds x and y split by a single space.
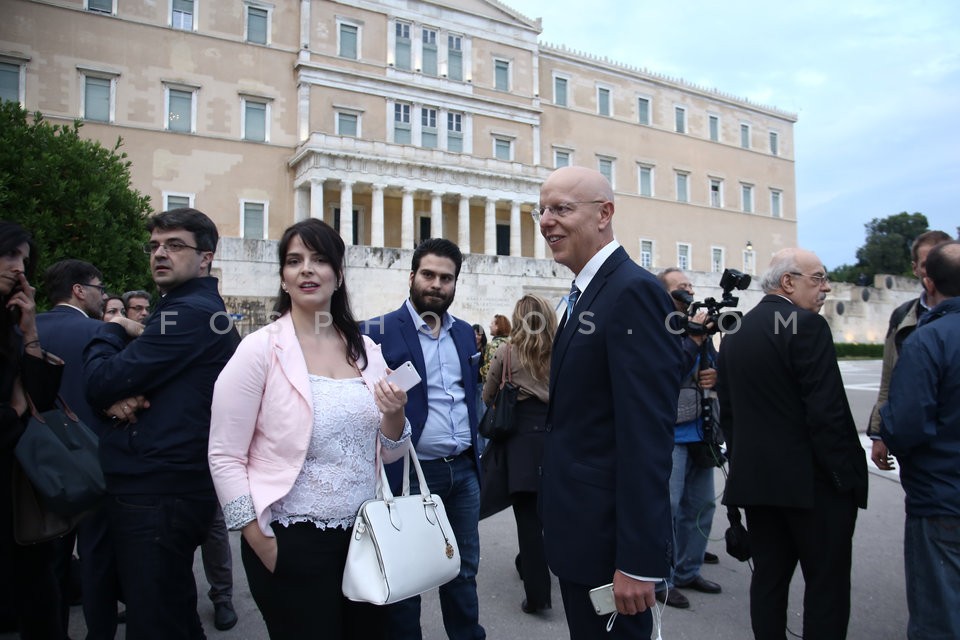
297 415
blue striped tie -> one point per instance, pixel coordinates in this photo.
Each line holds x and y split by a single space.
572 298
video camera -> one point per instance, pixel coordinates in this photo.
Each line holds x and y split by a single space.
716 320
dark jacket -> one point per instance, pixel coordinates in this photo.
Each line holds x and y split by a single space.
903 321
784 411
921 421
186 342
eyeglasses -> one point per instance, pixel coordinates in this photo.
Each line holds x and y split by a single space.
138 307
560 210
172 246
103 289
816 277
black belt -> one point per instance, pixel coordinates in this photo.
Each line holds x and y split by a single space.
449 459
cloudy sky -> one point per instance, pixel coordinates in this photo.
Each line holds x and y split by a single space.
875 85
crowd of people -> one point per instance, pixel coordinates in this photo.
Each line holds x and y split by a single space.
612 449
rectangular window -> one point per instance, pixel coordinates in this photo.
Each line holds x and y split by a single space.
680 118
255 121
643 110
429 44
683 194
716 259
429 135
96 98
714 128
775 207
455 57
501 75
348 124
9 82
503 149
349 41
646 181
683 256
181 16
100 6
746 197
561 158
455 132
403 46
560 92
503 239
745 136
401 124
603 101
180 110
716 193
257 28
646 254
254 220
605 167
356 224
176 201
774 143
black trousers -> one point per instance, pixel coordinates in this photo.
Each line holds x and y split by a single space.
302 599
533 560
821 540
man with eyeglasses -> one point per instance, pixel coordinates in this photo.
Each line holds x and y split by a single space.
796 464
75 288
136 305
614 382
157 384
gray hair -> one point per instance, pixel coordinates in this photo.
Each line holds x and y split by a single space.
782 263
133 294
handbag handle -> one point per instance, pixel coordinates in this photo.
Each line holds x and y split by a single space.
383 484
67 411
506 374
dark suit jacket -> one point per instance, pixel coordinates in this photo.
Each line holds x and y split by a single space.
397 336
614 382
65 331
784 411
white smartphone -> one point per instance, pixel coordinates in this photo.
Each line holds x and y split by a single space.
405 376
602 600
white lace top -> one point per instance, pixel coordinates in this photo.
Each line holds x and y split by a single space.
338 473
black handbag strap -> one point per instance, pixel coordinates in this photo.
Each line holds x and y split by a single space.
506 375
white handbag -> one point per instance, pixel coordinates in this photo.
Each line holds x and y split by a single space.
401 545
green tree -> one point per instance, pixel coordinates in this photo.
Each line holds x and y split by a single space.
887 247
74 196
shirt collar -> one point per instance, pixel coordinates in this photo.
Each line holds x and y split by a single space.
67 304
593 265
445 322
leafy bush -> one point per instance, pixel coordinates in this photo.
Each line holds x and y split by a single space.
859 350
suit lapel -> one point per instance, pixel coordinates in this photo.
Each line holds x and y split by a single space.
290 356
411 336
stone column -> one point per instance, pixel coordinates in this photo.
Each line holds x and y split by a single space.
436 215
316 199
406 219
490 227
301 204
539 244
346 212
515 228
463 224
376 218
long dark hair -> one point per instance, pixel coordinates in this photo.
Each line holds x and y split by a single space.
320 237
12 235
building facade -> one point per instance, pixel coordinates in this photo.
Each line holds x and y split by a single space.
418 118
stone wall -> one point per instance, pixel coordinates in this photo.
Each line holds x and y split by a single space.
378 282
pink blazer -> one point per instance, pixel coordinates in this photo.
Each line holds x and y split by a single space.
262 417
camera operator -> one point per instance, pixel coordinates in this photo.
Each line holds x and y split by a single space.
691 481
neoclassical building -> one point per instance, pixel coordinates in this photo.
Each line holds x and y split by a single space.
418 118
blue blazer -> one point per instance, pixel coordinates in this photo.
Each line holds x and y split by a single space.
399 340
614 382
65 331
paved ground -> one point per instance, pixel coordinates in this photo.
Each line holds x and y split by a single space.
879 606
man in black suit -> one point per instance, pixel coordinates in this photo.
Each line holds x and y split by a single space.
796 464
76 290
614 382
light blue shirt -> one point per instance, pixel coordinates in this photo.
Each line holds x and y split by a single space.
447 429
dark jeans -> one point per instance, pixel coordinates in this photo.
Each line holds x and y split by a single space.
217 561
155 537
931 556
457 482
821 540
98 575
302 598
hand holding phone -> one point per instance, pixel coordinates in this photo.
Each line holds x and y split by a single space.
405 376
602 600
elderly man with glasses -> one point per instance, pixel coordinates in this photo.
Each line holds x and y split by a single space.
136 305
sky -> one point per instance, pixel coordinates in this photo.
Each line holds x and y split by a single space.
875 85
